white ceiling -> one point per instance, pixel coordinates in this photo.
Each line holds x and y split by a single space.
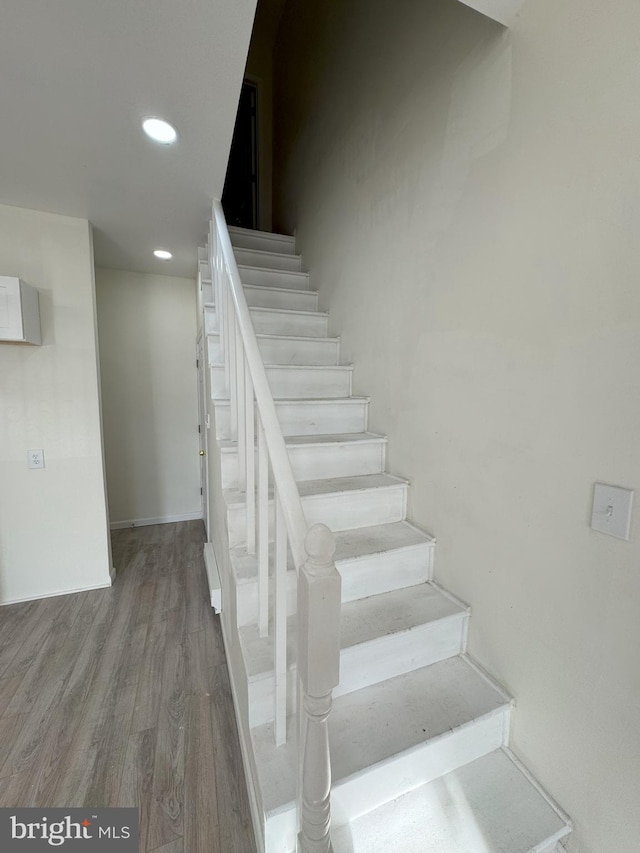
76 79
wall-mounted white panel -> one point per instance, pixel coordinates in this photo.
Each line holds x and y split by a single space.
19 312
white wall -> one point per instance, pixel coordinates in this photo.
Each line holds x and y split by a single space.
467 200
53 522
147 329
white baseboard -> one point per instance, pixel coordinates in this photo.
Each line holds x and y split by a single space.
213 576
163 519
55 594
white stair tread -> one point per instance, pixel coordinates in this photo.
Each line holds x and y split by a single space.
277 337
361 621
486 806
366 619
297 401
308 488
258 308
379 722
282 311
350 545
228 446
311 488
289 290
274 270
362 541
255 232
265 253
337 367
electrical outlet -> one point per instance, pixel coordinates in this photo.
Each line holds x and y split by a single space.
35 458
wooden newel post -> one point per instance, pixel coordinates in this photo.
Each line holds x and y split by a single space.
319 596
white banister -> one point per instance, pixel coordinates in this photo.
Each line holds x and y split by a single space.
280 465
252 410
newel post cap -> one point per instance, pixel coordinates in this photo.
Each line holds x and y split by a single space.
320 545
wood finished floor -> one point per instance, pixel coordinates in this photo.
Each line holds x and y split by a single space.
121 697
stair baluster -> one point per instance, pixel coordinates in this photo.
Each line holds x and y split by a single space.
319 594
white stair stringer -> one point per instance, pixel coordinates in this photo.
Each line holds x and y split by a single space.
419 732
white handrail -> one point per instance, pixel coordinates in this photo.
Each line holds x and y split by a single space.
319 584
279 458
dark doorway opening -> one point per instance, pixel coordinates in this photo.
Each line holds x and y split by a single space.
240 195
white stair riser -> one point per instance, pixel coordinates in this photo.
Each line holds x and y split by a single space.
292 382
210 320
385 657
339 511
276 322
207 292
307 417
204 270
283 244
371 575
383 782
268 260
372 662
274 278
284 351
269 297
319 461
375 574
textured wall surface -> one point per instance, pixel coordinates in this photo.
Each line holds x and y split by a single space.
467 201
147 329
53 522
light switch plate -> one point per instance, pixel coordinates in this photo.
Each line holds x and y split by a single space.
612 510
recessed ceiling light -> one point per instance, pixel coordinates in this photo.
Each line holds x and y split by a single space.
159 130
162 254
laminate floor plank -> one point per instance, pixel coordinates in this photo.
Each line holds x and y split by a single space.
14 791
136 787
167 814
120 696
36 634
174 847
201 809
234 818
8 689
56 656
147 707
18 622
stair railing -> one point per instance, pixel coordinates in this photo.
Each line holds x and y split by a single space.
319 584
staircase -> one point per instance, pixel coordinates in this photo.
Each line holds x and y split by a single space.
418 731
